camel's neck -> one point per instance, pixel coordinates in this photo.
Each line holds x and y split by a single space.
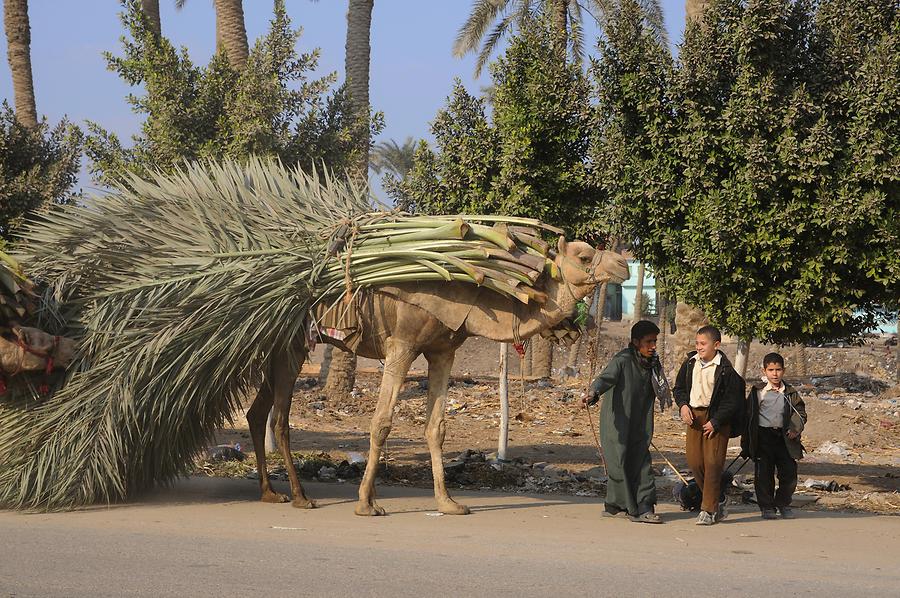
561 300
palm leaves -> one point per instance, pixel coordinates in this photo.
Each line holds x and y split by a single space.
509 15
182 287
390 156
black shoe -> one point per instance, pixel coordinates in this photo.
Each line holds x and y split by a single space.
787 513
769 514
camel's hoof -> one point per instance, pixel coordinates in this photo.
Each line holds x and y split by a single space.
368 510
303 503
274 497
453 508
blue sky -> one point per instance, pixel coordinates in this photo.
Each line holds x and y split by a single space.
412 67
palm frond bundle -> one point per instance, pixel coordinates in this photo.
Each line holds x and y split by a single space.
181 287
17 298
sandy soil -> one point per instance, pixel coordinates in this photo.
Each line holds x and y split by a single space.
855 416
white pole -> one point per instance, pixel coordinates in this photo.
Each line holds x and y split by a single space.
270 432
504 404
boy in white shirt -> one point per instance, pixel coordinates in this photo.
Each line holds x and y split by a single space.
776 419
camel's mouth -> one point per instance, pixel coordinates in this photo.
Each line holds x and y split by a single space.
611 266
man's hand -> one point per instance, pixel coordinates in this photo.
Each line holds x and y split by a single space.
793 434
589 399
708 430
686 415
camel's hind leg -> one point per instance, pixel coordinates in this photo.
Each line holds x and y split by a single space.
256 419
398 357
276 389
439 366
283 374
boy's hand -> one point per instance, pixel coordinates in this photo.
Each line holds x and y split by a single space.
686 415
708 430
793 434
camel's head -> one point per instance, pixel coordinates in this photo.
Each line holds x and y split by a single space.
581 264
38 348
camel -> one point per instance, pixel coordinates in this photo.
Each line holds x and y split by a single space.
433 319
32 350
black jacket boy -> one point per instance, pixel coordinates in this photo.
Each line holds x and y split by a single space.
727 403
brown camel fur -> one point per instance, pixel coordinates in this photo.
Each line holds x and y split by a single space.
407 320
30 350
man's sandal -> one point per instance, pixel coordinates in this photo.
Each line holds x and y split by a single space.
647 517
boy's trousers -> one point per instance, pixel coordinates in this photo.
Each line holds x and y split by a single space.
772 454
706 458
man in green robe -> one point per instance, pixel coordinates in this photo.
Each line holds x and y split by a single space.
626 425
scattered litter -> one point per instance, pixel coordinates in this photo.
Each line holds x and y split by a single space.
826 485
226 452
434 514
833 448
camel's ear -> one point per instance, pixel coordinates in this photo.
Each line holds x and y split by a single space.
561 246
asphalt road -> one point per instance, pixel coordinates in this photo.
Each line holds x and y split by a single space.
209 537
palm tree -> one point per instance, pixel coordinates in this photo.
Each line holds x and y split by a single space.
566 16
390 156
151 11
230 27
18 38
342 368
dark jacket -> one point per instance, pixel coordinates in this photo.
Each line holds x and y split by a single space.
794 414
727 403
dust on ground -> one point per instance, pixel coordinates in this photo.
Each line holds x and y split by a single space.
852 438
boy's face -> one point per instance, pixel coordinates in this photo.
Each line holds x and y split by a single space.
646 346
706 347
773 373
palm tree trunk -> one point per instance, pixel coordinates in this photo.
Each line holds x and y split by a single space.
356 65
18 38
541 356
230 21
687 321
560 23
695 9
151 11
342 373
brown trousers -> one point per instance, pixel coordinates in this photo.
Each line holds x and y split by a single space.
706 458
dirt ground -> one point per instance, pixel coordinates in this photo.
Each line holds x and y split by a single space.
852 439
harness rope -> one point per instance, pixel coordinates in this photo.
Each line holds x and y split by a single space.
587 412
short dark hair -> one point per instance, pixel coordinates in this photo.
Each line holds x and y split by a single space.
712 332
773 358
642 329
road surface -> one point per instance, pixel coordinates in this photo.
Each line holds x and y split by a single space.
209 537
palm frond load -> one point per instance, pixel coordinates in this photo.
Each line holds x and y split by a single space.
179 288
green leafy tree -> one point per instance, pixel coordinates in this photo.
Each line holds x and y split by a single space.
38 166
528 160
271 107
759 175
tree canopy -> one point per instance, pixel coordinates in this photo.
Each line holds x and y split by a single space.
758 175
271 107
37 166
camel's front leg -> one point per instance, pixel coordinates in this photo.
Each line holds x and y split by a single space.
284 374
439 366
398 357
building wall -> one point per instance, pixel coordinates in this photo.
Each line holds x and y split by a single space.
629 290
